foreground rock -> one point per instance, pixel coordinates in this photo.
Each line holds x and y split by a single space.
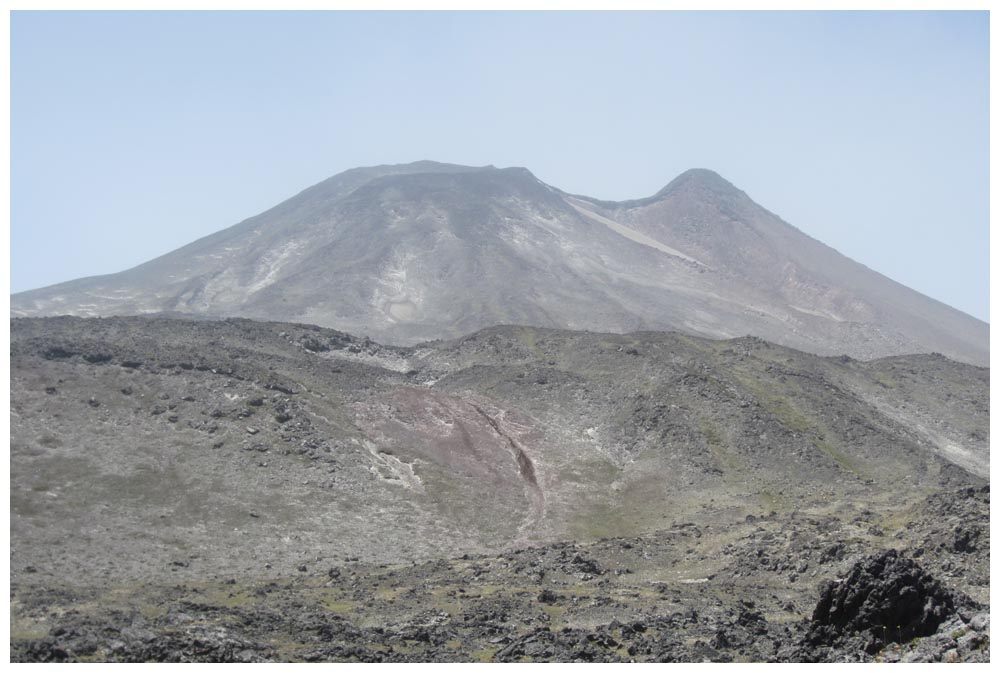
610 601
885 599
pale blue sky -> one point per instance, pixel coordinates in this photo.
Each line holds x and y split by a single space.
135 133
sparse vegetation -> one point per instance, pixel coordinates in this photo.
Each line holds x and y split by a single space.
350 501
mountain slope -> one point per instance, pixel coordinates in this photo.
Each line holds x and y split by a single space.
239 490
508 437
426 250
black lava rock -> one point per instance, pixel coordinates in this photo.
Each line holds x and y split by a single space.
885 598
547 596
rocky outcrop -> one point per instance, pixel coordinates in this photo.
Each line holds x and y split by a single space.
885 599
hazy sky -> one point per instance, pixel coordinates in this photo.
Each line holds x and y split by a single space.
135 133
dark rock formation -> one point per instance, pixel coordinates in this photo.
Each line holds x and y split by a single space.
885 598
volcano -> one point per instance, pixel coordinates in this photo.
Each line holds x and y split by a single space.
426 251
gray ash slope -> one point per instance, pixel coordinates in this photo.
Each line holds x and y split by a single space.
238 489
426 251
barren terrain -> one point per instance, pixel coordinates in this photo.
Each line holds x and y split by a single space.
238 490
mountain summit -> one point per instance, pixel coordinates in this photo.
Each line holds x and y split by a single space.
700 178
423 251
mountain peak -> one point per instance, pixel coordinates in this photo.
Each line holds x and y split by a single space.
482 181
702 179
428 166
424 166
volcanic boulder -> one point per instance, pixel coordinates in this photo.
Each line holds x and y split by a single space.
885 598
